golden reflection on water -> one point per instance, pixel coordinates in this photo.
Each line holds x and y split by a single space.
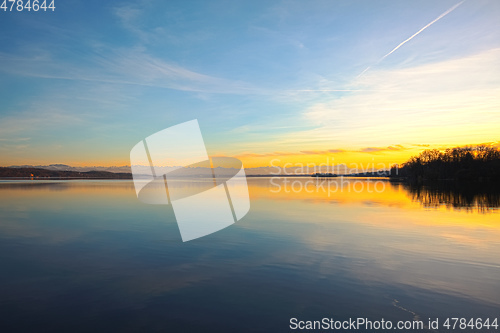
343 190
335 190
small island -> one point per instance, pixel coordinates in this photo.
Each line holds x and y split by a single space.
324 175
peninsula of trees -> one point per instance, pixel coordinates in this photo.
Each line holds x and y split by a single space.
474 163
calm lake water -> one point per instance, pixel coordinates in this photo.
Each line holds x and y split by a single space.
88 256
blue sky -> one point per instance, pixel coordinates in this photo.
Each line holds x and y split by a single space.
265 79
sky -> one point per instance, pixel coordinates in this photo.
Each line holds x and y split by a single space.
270 82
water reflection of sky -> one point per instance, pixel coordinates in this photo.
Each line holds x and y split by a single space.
90 254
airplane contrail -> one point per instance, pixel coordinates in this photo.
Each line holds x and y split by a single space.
416 33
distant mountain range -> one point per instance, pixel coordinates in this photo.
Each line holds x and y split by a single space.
30 172
64 167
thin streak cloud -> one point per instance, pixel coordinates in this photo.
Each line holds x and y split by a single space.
425 27
415 34
125 67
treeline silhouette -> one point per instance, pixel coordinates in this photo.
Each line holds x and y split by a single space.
479 163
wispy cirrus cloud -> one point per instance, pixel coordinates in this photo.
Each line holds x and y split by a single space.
128 67
323 152
382 149
114 63
14 128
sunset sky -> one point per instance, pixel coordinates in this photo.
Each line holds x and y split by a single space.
289 81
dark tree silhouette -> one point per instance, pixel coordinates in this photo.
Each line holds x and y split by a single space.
480 163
